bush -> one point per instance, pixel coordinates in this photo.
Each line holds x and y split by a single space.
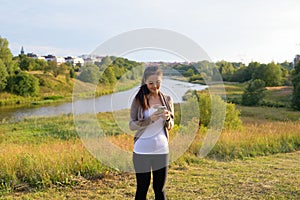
231 117
221 110
296 84
254 93
3 75
89 74
296 97
24 84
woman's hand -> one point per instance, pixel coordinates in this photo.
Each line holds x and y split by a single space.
167 115
156 115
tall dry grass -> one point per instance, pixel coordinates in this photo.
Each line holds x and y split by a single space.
42 165
258 139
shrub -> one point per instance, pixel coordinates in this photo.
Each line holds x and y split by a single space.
3 75
24 84
89 74
296 97
254 93
231 116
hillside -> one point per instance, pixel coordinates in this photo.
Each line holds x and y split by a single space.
60 89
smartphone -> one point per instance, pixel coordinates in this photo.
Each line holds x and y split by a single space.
161 108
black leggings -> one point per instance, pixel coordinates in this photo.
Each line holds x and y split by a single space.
144 164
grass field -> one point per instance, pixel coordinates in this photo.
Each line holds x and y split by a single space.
44 158
274 96
269 177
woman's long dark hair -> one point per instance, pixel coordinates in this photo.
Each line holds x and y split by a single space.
141 96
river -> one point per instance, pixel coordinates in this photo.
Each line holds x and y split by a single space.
107 103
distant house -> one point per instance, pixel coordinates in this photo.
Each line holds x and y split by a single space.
35 56
41 58
88 60
58 60
91 59
49 58
74 60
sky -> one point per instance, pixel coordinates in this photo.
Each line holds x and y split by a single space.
230 30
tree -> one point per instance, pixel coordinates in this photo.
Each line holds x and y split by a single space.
3 75
39 64
56 69
231 117
110 75
24 84
241 75
72 73
5 54
271 74
254 93
89 73
251 69
226 69
6 57
188 73
105 62
296 85
296 97
25 63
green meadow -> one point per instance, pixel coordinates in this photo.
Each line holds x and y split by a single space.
44 158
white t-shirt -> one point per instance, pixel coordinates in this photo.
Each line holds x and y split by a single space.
153 140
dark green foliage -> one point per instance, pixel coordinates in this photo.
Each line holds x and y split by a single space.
25 63
254 93
296 84
296 97
72 73
226 69
108 76
3 75
271 74
24 84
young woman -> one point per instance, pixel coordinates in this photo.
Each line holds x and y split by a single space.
152 116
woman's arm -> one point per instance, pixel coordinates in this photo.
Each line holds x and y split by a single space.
170 122
135 123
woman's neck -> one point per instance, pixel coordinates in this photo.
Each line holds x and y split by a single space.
153 96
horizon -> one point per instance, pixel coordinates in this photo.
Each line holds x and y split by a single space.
152 60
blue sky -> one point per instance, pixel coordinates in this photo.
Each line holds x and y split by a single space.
231 30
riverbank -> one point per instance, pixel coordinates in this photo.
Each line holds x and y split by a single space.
56 90
84 100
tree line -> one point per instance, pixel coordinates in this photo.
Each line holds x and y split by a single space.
256 75
109 70
16 79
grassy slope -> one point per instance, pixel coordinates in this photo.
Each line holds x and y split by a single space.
52 87
270 177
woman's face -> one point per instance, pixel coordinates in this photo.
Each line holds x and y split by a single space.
153 83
